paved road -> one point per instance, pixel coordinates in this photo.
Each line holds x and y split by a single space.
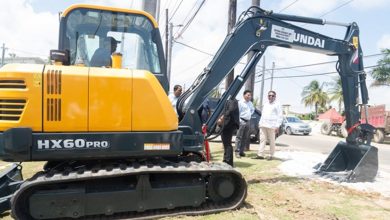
324 144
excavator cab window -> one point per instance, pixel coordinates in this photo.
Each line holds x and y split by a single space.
84 30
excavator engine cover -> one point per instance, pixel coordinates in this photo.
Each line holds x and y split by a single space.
351 163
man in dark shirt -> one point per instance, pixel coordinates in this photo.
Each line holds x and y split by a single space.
205 111
230 121
102 56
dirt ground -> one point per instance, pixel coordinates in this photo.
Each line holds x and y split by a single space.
273 195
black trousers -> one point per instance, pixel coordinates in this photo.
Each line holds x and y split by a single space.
226 135
242 137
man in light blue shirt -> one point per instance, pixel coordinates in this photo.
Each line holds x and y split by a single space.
246 110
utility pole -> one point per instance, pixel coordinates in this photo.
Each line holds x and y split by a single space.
170 44
3 54
262 85
272 75
250 84
231 22
166 36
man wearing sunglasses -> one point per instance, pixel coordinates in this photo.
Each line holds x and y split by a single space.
271 119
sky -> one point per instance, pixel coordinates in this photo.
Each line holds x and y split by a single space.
30 28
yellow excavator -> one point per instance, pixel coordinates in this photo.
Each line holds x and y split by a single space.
115 148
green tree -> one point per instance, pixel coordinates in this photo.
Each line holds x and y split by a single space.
381 74
313 95
336 92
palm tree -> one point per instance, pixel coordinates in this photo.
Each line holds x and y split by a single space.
313 94
381 74
336 92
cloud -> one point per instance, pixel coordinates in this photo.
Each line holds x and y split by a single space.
307 7
25 32
204 33
368 5
384 42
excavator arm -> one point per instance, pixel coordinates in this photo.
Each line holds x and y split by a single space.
257 30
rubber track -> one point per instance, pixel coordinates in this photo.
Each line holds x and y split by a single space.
202 168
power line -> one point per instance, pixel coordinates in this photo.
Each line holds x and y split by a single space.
281 68
186 45
314 74
338 7
201 51
288 6
320 63
174 12
188 14
334 9
193 65
190 20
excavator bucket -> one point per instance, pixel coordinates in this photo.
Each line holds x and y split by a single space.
351 163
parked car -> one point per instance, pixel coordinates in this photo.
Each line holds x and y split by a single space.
294 125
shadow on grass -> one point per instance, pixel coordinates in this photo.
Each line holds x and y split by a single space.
241 164
274 180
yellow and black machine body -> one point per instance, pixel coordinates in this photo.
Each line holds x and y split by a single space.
114 147
101 118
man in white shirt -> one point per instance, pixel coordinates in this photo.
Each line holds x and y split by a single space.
177 90
271 119
246 110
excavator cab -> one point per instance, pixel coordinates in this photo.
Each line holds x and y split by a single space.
94 36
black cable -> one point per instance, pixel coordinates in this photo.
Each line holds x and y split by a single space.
338 7
321 63
280 68
188 14
307 75
288 6
186 45
190 20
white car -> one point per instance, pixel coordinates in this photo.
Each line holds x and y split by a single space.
294 125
